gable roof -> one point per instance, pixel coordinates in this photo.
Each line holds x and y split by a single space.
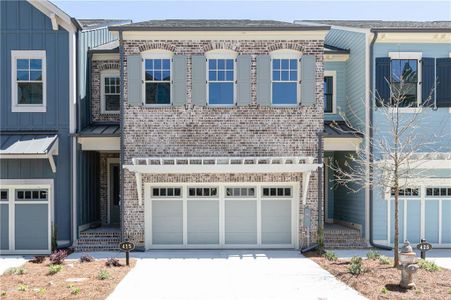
216 25
387 26
57 16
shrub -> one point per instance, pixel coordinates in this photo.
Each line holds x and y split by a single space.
449 292
384 260
3 293
356 267
330 256
53 269
14 271
75 290
41 291
58 257
103 275
86 258
22 288
384 290
427 265
37 259
373 255
112 262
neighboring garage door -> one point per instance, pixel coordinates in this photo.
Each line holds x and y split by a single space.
25 219
220 216
423 212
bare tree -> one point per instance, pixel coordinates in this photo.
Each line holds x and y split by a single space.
394 160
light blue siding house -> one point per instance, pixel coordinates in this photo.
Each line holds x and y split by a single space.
377 50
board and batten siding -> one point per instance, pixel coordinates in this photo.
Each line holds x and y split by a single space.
23 27
340 71
355 91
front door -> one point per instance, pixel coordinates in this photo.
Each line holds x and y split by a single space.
114 194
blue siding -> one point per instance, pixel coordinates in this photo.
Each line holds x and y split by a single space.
413 221
25 28
431 216
340 69
446 219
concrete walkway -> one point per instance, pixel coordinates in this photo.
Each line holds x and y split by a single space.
7 262
441 257
227 275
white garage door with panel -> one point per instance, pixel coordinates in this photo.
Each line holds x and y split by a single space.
235 215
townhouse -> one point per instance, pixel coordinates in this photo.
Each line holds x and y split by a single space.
380 52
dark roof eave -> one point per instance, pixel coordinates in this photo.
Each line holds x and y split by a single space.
337 51
151 28
98 51
413 30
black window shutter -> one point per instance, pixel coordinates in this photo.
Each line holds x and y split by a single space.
427 80
443 93
382 92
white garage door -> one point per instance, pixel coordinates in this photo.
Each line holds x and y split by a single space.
221 216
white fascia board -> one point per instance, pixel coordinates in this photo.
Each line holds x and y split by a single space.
55 14
100 143
342 144
442 164
216 169
414 37
335 57
105 56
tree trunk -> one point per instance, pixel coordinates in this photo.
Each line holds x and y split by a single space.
396 237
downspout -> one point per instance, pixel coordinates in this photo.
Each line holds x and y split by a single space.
320 192
122 181
370 107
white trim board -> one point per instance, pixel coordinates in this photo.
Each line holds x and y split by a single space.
100 143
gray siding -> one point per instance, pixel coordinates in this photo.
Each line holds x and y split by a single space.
4 226
34 233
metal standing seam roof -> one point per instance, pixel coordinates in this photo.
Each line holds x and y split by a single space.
339 129
89 24
328 49
100 130
26 144
388 26
216 25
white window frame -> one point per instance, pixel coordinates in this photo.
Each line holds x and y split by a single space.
157 54
28 54
332 74
287 54
410 55
103 75
221 54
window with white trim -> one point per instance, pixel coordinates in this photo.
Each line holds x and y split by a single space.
438 191
221 77
4 195
277 192
157 78
240 192
405 78
167 192
31 195
203 192
329 92
28 80
285 79
110 92
407 192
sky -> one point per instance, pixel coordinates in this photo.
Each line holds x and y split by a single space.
398 10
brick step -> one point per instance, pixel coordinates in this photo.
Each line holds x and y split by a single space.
99 239
98 234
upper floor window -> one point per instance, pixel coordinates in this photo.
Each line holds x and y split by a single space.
157 79
28 81
110 92
285 77
221 77
329 92
404 79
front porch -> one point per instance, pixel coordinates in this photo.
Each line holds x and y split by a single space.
104 238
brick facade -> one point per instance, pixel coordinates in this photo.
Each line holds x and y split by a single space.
205 131
97 67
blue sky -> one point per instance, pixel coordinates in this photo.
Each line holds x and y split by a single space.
277 10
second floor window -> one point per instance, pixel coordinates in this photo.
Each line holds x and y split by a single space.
328 94
111 92
404 82
285 81
29 81
221 81
157 81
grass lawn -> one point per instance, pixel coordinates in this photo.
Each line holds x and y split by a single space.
381 281
76 280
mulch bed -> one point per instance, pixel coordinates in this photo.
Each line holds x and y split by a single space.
382 281
40 285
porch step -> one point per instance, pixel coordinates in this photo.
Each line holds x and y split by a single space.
99 239
341 237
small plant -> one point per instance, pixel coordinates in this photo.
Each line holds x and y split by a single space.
86 258
373 255
384 260
41 291
53 269
113 262
384 290
449 292
22 288
330 256
14 271
37 259
58 257
103 275
356 267
427 265
3 293
75 290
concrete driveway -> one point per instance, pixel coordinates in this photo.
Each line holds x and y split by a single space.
7 262
228 275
